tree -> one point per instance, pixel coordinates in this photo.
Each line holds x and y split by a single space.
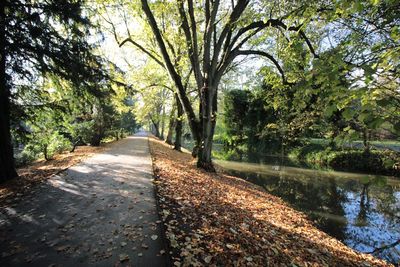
41 38
179 124
211 50
7 169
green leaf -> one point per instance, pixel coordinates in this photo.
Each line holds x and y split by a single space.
348 113
330 109
376 123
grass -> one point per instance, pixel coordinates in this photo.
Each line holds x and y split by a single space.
385 143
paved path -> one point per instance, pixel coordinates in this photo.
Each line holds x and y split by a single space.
101 212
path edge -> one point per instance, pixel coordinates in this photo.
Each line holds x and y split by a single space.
158 208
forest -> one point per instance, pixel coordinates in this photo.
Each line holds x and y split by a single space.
261 90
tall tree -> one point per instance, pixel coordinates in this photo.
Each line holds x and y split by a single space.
211 50
7 169
39 38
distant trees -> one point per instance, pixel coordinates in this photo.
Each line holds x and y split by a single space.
215 34
312 52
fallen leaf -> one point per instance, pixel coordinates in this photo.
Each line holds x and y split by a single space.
123 257
208 259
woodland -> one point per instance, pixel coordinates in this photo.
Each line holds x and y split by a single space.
314 83
241 74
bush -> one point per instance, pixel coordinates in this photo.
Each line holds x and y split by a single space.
25 157
46 145
82 131
382 162
376 161
58 144
300 153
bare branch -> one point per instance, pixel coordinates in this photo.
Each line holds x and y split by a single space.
176 78
144 50
258 26
191 39
270 57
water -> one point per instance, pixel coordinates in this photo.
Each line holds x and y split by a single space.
363 211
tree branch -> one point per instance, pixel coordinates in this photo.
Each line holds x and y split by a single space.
225 34
129 39
385 247
258 26
194 125
191 40
208 36
270 57
144 50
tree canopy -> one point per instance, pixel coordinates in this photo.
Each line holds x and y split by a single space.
326 68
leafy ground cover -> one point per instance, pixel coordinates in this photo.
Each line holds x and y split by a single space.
218 220
41 170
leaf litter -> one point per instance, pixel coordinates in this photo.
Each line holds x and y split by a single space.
220 220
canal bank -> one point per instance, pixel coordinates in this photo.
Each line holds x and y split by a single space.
362 211
214 218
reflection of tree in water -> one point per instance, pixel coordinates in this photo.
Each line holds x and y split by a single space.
376 226
388 204
334 202
362 219
323 202
364 212
385 202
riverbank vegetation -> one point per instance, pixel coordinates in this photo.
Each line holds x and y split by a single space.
252 128
384 162
213 218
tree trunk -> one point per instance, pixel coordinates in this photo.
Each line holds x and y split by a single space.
7 167
95 140
366 141
209 112
156 130
45 153
175 77
162 123
171 126
178 125
79 141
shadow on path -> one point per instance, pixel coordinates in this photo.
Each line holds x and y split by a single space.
101 212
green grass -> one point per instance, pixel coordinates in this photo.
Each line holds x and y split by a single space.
320 141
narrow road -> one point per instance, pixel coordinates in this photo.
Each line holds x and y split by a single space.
101 212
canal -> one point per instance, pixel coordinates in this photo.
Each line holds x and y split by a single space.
363 211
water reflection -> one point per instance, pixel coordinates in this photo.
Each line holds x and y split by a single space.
363 211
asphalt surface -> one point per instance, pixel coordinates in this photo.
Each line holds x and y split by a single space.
100 212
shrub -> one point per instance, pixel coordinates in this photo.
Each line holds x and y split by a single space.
376 161
46 145
82 131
